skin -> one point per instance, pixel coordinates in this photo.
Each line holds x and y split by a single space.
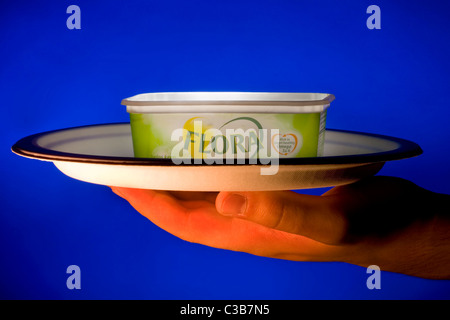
383 221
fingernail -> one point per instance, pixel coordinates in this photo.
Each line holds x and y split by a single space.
234 204
116 191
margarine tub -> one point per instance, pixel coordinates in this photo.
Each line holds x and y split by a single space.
228 125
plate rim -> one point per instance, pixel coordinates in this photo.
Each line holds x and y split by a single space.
27 147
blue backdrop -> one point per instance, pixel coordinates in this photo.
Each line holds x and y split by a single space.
392 81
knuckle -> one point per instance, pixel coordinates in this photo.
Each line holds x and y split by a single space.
339 226
279 216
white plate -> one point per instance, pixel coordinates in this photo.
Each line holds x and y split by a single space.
103 154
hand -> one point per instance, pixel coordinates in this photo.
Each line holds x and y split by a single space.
384 221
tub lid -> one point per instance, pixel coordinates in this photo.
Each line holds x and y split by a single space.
225 102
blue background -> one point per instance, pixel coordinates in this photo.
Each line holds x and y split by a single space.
392 81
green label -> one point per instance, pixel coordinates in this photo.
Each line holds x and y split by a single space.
227 135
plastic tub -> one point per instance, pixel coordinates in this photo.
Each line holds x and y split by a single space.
218 125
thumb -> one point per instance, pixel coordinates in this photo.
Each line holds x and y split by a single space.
310 216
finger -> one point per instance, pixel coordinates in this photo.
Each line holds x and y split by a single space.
192 196
306 215
206 226
186 199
